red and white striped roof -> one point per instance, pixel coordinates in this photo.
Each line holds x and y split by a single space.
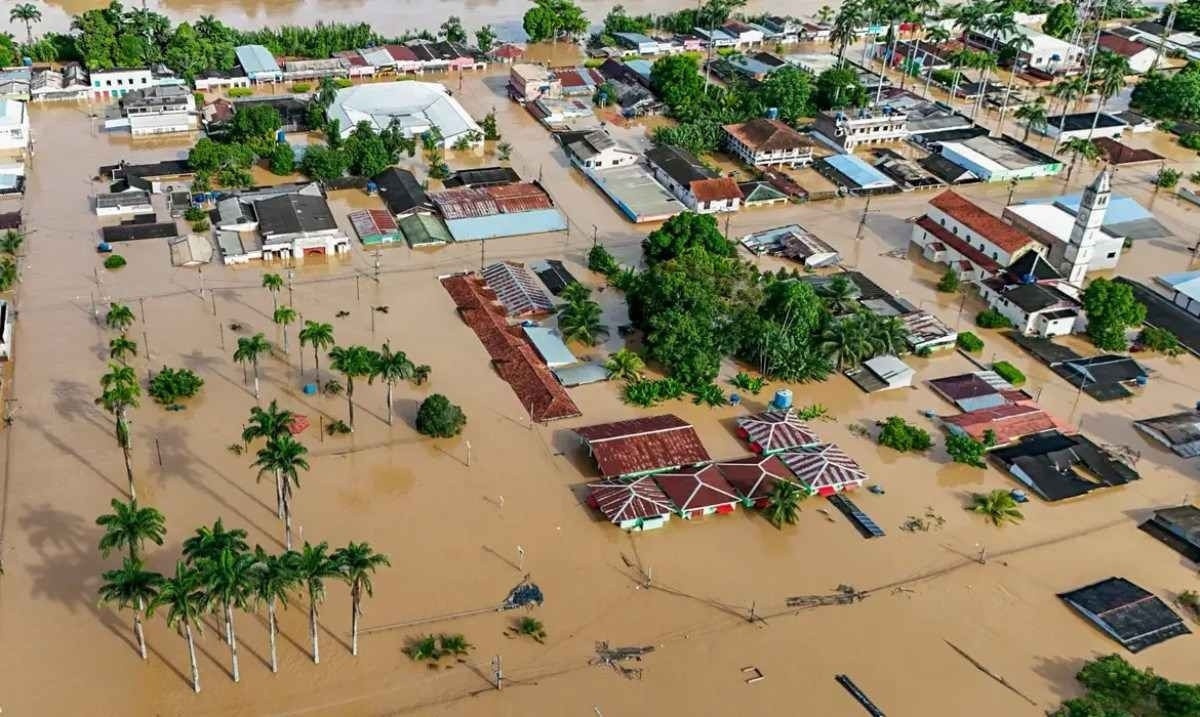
620 501
824 466
697 489
774 431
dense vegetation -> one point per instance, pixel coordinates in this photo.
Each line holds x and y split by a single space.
439 418
1112 310
1115 687
1173 96
902 436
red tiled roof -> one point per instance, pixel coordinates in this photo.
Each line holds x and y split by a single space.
774 431
698 489
643 444
401 53
620 501
709 190
508 50
514 359
1009 421
980 221
957 244
755 477
1120 45
578 77
1118 153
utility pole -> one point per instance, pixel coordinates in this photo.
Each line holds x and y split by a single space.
482 242
200 273
357 289
1012 189
142 305
377 266
862 222
1162 40
498 673
291 275
595 236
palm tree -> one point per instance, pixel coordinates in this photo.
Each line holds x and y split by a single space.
998 506
1016 45
229 578
284 457
984 62
839 295
421 373
845 342
129 527
119 391
270 423
1079 147
9 275
356 562
352 362
886 334
580 321
1069 90
1034 116
284 315
625 365
1109 71
392 368
783 503
845 26
119 317
273 283
131 586
121 346
208 543
314 566
825 14
27 13
321 337
249 348
11 242
274 578
185 600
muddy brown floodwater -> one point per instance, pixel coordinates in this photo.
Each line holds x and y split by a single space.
452 545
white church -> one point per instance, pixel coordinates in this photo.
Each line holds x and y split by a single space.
1033 278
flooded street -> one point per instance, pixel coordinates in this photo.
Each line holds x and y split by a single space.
452 529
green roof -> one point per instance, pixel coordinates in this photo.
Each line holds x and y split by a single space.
763 192
424 229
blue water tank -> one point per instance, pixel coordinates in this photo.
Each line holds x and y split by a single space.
280 135
783 399
310 389
772 113
372 187
27 61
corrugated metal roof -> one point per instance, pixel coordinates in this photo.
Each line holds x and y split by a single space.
519 197
621 501
824 466
516 289
643 444
256 59
550 346
538 221
465 202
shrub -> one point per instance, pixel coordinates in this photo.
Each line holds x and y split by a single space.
171 384
531 627
114 261
949 282
648 392
239 92
812 412
964 449
902 436
1167 177
337 427
968 341
1191 140
601 261
200 226
709 394
992 319
301 87
439 418
341 83
1195 177
623 280
1160 340
746 382
1009 373
194 214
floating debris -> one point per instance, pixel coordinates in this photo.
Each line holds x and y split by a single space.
614 656
523 595
844 595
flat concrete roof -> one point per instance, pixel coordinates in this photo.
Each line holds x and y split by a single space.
638 193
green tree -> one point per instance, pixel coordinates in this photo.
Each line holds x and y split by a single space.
789 90
356 564
172 384
580 318
283 457
625 365
682 232
839 88
269 423
128 527
1111 310
273 579
783 503
452 30
283 316
902 436
392 367
324 164
949 283
315 566
27 13
184 598
439 418
676 80
119 317
488 125
249 349
998 506
229 579
1079 147
1033 114
601 261
964 449
846 342
256 125
121 346
485 38
208 543
320 336
11 241
365 151
850 17
131 587
282 159
352 362
554 19
1061 21
273 283
119 391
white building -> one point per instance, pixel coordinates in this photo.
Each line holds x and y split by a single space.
1032 295
116 83
258 63
1082 125
976 244
1141 57
763 142
845 130
1184 289
133 202
274 224
216 80
155 110
692 184
1046 53
597 150
68 84
417 107
1078 243
14 126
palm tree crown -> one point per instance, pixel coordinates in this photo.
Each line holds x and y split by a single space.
119 317
185 601
121 346
208 543
352 362
27 13
320 336
129 527
783 504
268 422
998 506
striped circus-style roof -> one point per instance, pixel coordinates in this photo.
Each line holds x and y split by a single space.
620 501
774 431
824 466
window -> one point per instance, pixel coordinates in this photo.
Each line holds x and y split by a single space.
1112 255
108 83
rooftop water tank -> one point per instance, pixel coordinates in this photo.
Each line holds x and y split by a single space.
783 399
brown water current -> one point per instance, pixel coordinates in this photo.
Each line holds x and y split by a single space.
453 541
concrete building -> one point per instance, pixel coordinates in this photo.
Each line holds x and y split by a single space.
1082 125
116 204
416 106
1183 288
693 184
258 63
155 110
115 83
641 44
216 80
1046 53
528 82
1034 298
15 83
846 130
70 83
958 233
999 159
14 126
1140 55
765 142
272 222
596 150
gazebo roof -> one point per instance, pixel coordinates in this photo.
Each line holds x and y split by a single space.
620 501
754 477
697 489
774 431
824 466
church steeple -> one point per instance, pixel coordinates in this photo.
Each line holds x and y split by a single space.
1081 247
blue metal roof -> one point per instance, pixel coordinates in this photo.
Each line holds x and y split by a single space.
861 173
256 60
549 346
495 226
642 67
636 38
1120 208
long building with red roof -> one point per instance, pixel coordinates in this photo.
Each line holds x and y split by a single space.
966 237
643 445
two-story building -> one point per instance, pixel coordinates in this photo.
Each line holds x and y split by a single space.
527 83
596 150
699 189
118 82
962 235
14 126
1032 295
847 129
155 110
763 142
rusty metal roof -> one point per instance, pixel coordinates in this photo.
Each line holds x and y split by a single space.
643 444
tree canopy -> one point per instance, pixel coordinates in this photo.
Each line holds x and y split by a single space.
682 232
1111 309
839 88
1061 21
1118 689
439 418
554 19
1173 97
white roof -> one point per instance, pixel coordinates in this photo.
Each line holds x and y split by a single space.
1184 282
962 150
890 369
12 113
1043 42
377 57
1049 218
417 105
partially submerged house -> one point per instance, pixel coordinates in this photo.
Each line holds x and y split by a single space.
793 242
638 504
697 187
1178 528
375 226
882 373
1178 431
1007 422
973 391
1058 466
698 492
824 469
926 332
772 432
754 478
402 193
1127 613
638 446
516 289
764 142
